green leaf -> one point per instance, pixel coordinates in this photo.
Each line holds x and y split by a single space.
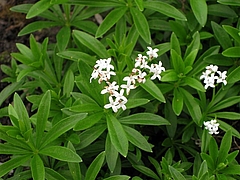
68 84
175 173
165 9
53 175
225 147
175 44
221 36
111 19
61 127
74 167
90 135
225 103
233 169
224 126
234 32
117 135
229 2
132 103
170 76
221 11
139 4
194 45
86 107
8 90
91 43
111 154
118 177
95 166
192 106
63 37
11 149
226 115
61 153
144 119
177 62
88 122
177 102
152 89
42 116
37 25
194 83
147 171
37 167
219 59
232 52
203 169
141 24
137 138
38 8
76 56
200 10
97 3
21 111
213 149
12 164
234 77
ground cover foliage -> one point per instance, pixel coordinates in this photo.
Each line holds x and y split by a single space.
132 89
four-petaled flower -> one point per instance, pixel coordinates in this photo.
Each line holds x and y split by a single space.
152 53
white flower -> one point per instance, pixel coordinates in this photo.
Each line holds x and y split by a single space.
111 88
211 126
140 60
222 77
152 53
156 69
211 69
112 104
128 87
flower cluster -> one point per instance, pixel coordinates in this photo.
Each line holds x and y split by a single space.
212 126
212 76
103 70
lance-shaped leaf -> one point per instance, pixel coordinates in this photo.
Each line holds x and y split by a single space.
200 11
54 175
34 26
111 19
229 2
42 116
192 106
141 24
63 37
61 153
165 9
177 102
37 168
111 154
225 147
74 167
88 122
152 89
147 171
21 111
144 119
175 173
232 52
38 8
137 139
117 135
61 127
91 43
95 166
194 83
13 163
